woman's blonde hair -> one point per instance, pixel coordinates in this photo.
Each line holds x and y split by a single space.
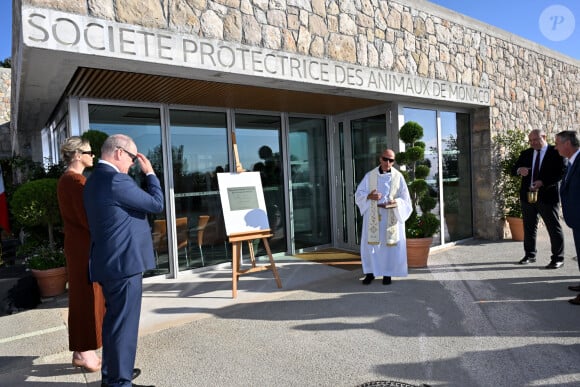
71 146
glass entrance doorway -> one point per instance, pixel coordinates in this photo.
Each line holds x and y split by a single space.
260 146
360 140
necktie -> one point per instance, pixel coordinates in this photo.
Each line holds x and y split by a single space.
536 170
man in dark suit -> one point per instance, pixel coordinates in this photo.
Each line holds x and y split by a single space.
121 249
541 168
567 145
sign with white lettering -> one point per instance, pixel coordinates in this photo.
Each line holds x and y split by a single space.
62 31
243 202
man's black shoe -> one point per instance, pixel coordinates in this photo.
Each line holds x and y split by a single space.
526 260
386 280
136 373
555 265
368 279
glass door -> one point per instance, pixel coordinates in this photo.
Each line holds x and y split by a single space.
259 145
143 125
360 141
310 201
199 151
448 150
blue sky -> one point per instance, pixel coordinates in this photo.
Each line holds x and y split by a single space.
551 23
5 29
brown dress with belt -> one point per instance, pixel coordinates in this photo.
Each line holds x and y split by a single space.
85 299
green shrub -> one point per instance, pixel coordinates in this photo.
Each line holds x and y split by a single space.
423 223
35 203
507 147
40 257
422 226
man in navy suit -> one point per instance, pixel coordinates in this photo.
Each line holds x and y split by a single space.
121 249
541 168
567 145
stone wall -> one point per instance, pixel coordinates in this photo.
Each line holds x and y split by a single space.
531 86
5 90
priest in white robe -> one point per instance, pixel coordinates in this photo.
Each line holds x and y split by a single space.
384 203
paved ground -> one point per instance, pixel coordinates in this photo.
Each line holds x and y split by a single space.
472 318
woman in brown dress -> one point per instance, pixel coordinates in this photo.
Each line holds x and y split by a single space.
86 303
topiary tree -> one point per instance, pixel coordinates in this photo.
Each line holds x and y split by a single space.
422 223
35 203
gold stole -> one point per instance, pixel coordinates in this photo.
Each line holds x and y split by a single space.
374 218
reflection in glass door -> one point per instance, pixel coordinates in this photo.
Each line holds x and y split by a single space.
309 182
143 125
361 142
449 143
199 150
428 120
456 154
259 147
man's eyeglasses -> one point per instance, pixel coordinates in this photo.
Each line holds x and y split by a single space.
90 153
388 159
131 155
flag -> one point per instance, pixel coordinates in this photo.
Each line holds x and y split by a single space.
3 206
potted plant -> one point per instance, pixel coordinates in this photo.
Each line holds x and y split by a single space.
507 147
34 204
422 224
43 257
48 267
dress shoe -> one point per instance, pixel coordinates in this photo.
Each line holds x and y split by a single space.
574 288
575 301
386 280
368 279
136 373
554 265
526 260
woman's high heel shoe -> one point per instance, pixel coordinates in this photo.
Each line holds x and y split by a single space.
83 364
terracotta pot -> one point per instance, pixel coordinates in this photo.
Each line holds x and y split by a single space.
418 251
51 282
516 228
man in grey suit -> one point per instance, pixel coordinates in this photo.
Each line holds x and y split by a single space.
121 249
567 145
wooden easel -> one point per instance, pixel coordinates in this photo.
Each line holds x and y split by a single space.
236 240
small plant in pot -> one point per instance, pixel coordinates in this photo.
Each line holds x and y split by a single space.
34 204
39 257
422 224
